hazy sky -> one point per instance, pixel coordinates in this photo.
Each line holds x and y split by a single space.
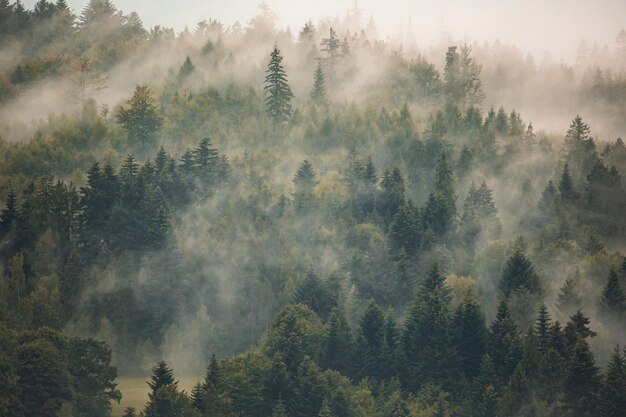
533 25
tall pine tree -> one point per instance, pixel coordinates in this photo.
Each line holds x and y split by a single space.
278 94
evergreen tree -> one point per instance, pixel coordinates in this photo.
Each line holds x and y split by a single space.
278 94
569 300
430 354
339 346
546 203
186 69
462 77
542 329
471 335
162 375
519 272
318 91
405 228
9 214
392 196
613 301
314 293
582 383
613 394
308 390
279 410
566 187
580 150
370 342
577 328
391 348
505 347
331 44
206 161
129 412
305 182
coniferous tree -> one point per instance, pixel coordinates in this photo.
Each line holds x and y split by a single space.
186 69
543 330
566 187
308 390
577 328
471 335
546 203
613 301
519 272
613 394
370 342
569 300
129 412
9 214
580 150
314 293
505 347
162 375
318 91
430 354
278 94
462 77
392 196
338 350
279 410
331 44
305 182
582 383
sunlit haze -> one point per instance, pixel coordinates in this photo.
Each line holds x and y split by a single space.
532 25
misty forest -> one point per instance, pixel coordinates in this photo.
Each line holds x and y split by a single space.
256 221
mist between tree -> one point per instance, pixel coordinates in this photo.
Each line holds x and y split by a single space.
209 191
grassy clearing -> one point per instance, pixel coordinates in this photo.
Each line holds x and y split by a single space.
135 392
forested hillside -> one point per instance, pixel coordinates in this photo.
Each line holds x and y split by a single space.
323 223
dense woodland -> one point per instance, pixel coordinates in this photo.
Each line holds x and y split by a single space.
320 224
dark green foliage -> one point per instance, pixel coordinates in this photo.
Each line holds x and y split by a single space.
566 187
430 354
296 333
613 301
308 390
9 214
371 342
140 117
129 412
519 272
471 335
393 194
314 293
577 328
405 228
162 375
278 94
338 350
613 394
440 211
94 386
505 347
582 381
188 248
